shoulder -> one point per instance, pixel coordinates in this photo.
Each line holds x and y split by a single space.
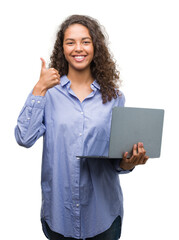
120 98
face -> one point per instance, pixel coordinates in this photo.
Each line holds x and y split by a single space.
78 47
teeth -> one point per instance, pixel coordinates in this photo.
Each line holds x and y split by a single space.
79 57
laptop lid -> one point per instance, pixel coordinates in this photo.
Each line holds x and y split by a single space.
133 125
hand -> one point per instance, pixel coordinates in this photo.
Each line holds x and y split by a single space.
48 79
138 157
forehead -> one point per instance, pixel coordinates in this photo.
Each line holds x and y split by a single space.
76 31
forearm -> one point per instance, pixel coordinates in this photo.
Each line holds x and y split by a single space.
30 121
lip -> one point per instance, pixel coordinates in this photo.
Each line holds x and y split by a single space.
79 58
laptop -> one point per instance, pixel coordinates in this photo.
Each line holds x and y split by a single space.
132 125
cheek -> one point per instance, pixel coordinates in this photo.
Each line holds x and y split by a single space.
66 53
91 51
66 49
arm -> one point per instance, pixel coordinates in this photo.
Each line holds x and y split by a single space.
30 123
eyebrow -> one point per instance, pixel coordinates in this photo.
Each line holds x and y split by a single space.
71 39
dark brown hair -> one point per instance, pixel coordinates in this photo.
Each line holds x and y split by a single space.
103 67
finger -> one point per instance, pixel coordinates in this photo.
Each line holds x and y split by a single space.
143 160
140 147
57 72
55 77
54 74
134 159
135 150
141 150
54 70
134 154
125 156
146 159
56 81
43 63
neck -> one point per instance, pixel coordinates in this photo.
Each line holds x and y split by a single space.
80 77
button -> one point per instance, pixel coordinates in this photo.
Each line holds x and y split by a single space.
77 204
81 113
38 101
80 134
28 118
33 101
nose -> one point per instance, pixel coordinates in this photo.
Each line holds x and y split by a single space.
78 47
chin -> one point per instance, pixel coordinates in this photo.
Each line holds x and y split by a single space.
80 68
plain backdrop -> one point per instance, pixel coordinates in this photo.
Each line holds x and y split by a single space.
143 37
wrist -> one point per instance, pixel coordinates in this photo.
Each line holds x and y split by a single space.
39 90
123 166
126 168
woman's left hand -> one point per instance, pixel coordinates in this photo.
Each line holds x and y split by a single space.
138 157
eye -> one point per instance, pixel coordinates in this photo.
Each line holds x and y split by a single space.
86 42
69 43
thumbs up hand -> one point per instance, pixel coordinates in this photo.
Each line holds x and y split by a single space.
48 79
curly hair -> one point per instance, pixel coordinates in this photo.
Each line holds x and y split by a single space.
103 67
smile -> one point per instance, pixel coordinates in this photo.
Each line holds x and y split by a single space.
79 58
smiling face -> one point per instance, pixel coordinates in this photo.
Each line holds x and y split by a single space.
78 47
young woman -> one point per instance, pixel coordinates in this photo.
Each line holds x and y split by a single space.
71 107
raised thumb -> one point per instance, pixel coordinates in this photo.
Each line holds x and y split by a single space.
43 63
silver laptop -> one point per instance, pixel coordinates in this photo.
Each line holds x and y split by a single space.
132 125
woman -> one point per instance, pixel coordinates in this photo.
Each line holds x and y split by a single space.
71 107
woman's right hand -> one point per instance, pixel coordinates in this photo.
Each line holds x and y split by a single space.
48 79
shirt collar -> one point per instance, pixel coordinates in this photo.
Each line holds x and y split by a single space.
64 80
96 85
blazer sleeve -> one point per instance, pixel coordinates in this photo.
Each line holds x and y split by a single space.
30 123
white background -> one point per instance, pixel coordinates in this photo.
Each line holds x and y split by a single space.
144 39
